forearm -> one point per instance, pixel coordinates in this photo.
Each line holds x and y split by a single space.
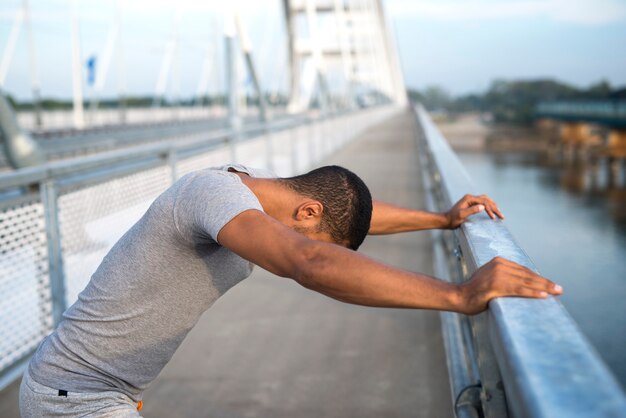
354 278
360 280
390 219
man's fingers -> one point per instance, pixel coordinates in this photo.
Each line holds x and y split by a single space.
501 277
531 293
541 284
524 277
490 206
496 210
471 211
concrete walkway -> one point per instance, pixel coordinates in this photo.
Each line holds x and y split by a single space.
272 349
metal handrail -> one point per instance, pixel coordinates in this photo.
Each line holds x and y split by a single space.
71 166
529 349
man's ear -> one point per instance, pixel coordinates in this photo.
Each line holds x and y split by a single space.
309 210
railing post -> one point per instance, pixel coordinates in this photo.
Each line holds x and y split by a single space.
234 118
492 395
312 140
492 390
49 197
269 146
171 160
293 141
231 140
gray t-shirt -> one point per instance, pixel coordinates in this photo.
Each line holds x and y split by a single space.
150 289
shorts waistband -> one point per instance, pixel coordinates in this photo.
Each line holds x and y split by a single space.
47 390
28 379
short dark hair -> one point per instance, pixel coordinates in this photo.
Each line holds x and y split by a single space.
346 199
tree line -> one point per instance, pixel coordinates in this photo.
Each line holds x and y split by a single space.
513 101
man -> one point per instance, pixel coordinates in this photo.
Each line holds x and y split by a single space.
200 238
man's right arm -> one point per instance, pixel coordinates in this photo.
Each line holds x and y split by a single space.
350 277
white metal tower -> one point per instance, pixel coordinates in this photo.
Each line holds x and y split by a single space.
343 50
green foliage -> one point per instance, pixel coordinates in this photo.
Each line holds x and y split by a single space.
434 98
52 104
11 101
511 101
515 101
600 90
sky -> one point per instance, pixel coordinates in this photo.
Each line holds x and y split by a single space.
147 27
464 45
460 45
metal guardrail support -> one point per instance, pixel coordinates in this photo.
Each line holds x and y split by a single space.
55 259
171 159
533 360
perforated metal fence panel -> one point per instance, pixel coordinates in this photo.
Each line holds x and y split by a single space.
92 219
25 302
202 160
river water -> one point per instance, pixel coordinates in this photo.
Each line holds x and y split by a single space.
574 231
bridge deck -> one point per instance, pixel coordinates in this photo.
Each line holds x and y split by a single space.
270 348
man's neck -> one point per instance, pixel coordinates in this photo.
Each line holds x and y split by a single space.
275 197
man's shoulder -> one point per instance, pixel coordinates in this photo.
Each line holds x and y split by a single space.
251 171
203 182
205 200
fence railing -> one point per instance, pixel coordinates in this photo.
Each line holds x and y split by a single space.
59 121
57 221
523 357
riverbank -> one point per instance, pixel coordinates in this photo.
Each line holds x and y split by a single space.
471 133
574 229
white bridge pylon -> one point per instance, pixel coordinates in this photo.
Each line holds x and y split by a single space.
338 54
341 51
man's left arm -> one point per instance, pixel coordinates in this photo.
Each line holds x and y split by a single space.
391 219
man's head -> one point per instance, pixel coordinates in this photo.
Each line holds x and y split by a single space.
344 204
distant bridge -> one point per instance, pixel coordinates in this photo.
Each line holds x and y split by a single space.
609 113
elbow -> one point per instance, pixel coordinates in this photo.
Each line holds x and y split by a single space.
375 230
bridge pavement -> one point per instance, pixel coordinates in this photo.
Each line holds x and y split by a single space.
272 349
